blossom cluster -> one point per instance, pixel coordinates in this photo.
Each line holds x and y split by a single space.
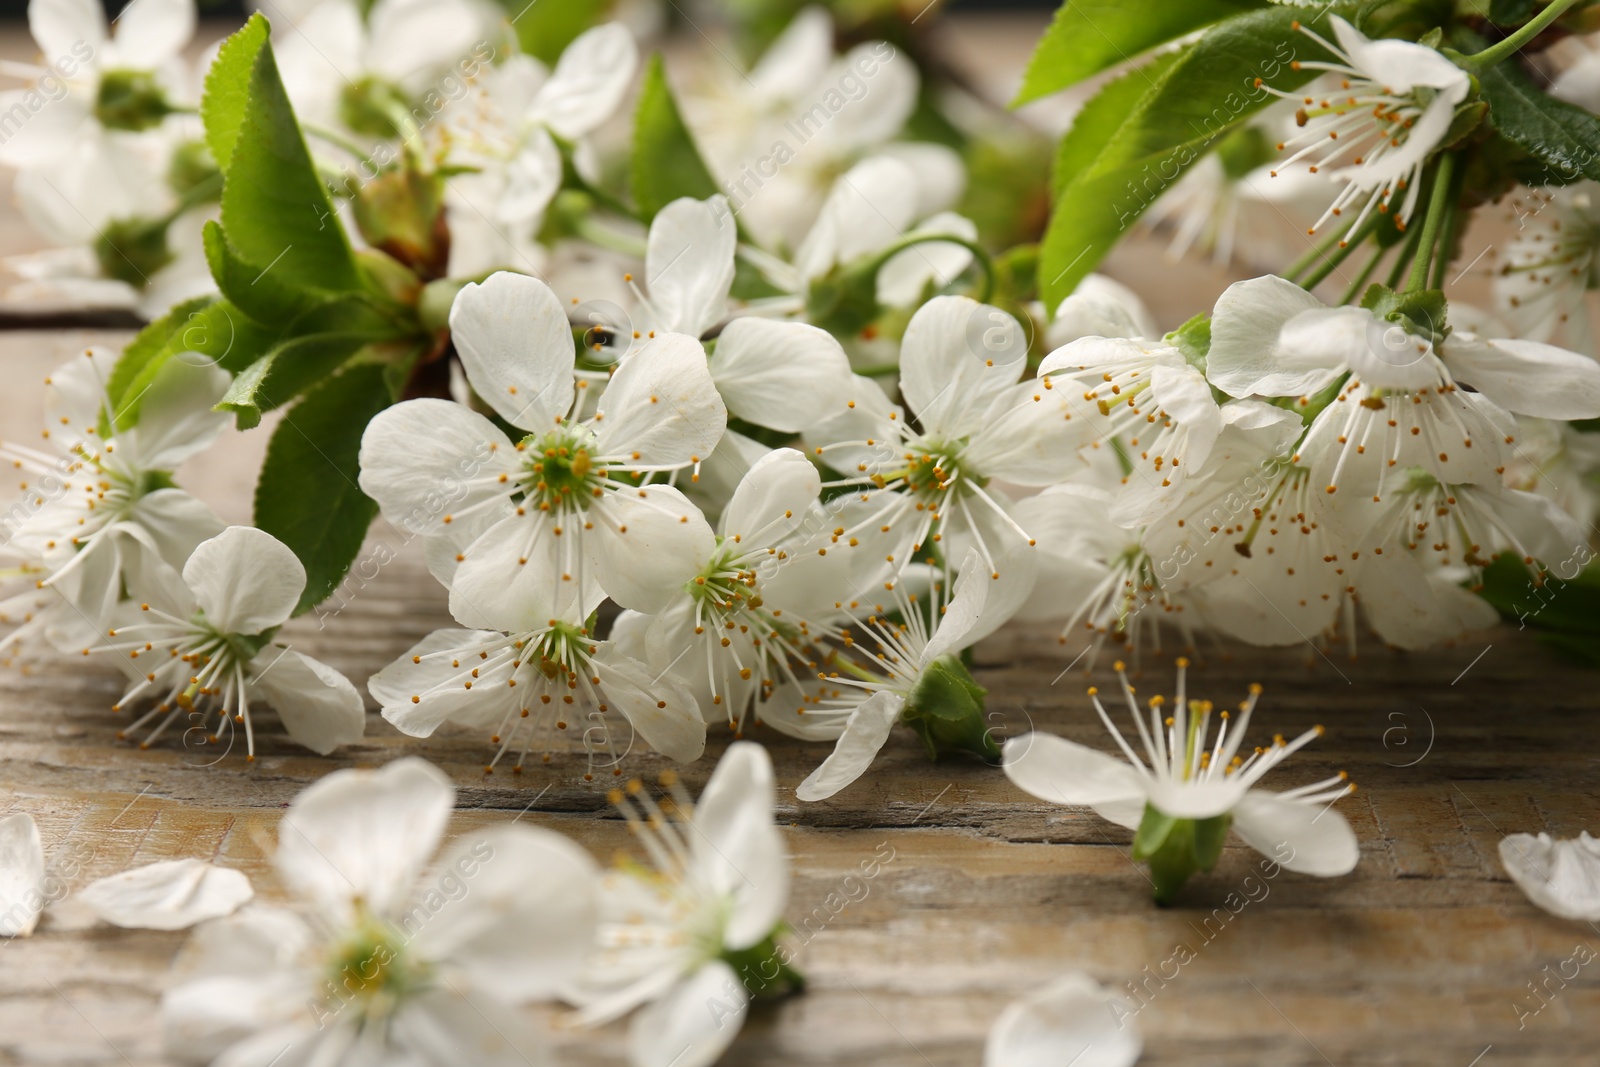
739 402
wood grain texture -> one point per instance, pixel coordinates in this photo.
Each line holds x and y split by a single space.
1422 955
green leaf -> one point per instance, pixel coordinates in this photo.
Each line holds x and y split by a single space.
1136 145
208 328
1565 598
666 163
1088 36
150 345
266 296
307 496
275 209
227 89
1560 139
545 27
1095 127
285 372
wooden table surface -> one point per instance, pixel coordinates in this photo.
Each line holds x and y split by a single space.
1426 954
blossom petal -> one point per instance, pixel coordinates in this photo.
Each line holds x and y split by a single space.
983 600
688 264
653 541
693 1025
1378 352
589 81
532 179
1528 377
427 460
176 416
663 712
529 925
521 573
170 895
797 58
58 25
662 405
435 684
865 734
152 32
1073 1020
512 335
1318 839
320 708
1065 772
360 834
413 40
1560 876
736 845
245 580
957 359
22 893
779 374
772 499
1100 307
867 210
1245 358
453 1024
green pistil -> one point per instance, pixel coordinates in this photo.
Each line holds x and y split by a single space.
561 472
936 467
371 963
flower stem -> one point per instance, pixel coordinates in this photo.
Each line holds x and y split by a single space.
1318 251
1354 289
1438 206
1501 50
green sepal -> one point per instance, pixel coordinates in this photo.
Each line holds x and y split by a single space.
752 966
1178 848
1423 313
1193 339
945 708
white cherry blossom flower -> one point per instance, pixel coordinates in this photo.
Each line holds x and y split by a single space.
1382 109
169 895
1072 1020
742 627
509 133
974 422
1398 406
1151 399
568 505
116 89
1186 777
688 940
1100 307
202 646
1562 876
534 674
357 71
382 957
100 513
1552 265
909 669
22 877
1098 579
